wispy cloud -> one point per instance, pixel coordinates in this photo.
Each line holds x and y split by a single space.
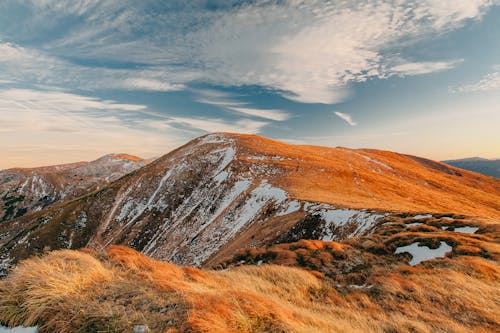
151 84
32 66
36 100
220 125
490 82
225 101
276 115
418 68
309 51
346 117
44 127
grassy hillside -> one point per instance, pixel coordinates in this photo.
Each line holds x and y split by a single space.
307 286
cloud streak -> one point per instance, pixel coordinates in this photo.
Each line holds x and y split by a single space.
211 125
419 68
490 82
346 117
226 102
36 100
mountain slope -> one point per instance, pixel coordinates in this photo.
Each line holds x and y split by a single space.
27 189
477 164
223 192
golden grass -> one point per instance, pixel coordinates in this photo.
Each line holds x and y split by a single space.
350 177
77 291
307 286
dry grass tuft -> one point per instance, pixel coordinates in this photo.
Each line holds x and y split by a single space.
307 286
74 291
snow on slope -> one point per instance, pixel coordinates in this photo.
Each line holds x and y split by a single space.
336 218
218 199
223 192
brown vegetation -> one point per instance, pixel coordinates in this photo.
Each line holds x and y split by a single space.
354 286
369 178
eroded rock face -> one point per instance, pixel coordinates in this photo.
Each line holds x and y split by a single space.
223 192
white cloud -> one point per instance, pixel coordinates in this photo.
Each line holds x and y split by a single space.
219 125
417 68
310 51
276 115
490 82
449 12
25 65
225 101
35 100
150 84
346 117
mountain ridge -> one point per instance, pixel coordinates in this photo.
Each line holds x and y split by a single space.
489 167
26 189
223 192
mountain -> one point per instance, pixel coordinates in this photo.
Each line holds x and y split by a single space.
25 190
477 164
224 192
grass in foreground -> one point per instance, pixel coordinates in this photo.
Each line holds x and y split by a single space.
306 286
83 291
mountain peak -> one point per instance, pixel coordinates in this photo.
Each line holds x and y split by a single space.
123 156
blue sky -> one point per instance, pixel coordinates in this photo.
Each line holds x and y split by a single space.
79 79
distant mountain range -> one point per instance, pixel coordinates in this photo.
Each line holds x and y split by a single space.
23 190
223 192
477 164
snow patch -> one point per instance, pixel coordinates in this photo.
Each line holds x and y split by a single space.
259 197
422 216
424 253
337 217
467 230
214 138
369 159
221 177
290 208
81 222
5 262
414 223
361 286
229 155
19 329
238 217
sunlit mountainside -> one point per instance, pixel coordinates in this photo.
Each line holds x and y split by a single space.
283 238
223 192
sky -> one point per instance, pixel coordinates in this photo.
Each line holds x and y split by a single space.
84 78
